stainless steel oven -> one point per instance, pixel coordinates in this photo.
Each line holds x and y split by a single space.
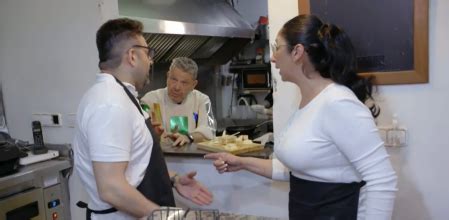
256 79
253 76
24 205
37 192
33 204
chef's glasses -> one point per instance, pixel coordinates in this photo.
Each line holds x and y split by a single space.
151 51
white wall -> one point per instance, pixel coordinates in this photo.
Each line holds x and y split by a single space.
48 58
422 165
286 95
424 180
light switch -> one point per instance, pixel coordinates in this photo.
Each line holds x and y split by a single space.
48 119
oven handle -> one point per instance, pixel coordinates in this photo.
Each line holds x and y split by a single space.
27 211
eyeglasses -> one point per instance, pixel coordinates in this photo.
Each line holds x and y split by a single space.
275 47
151 51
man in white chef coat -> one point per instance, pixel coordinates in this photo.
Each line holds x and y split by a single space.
185 113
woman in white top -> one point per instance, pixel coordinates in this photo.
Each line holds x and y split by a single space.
331 146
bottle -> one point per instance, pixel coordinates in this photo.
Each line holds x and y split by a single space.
396 136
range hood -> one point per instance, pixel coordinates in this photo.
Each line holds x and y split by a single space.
208 31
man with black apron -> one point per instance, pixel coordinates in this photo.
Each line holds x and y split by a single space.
123 57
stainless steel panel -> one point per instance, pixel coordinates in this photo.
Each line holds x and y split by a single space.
53 194
161 43
185 48
187 17
209 48
199 29
22 199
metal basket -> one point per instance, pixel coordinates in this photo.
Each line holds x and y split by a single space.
173 213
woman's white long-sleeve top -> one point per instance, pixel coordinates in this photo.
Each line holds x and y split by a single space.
334 139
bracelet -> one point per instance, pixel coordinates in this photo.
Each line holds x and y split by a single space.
173 180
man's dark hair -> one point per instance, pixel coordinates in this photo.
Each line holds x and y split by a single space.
110 38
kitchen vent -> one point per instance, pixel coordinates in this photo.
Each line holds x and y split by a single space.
208 31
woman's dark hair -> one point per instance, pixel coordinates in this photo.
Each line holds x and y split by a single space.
109 37
331 53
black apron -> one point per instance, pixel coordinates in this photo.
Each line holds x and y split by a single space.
310 200
156 185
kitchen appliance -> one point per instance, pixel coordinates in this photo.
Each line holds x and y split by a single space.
256 79
208 31
34 158
9 158
253 76
33 203
36 192
28 204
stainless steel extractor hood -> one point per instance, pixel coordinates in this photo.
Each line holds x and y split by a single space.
209 31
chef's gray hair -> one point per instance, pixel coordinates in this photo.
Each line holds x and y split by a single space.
185 64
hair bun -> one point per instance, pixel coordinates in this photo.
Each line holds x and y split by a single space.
328 33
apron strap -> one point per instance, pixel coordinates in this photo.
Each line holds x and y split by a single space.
89 211
133 99
155 185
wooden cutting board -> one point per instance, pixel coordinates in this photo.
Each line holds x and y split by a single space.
214 147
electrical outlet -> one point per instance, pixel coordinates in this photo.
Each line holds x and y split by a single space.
48 119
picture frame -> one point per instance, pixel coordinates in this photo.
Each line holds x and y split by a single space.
419 73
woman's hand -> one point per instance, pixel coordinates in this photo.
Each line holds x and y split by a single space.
225 162
193 190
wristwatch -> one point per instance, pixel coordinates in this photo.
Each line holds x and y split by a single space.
190 137
173 180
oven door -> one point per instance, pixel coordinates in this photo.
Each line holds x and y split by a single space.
24 205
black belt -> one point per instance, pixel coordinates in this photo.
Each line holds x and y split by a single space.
89 211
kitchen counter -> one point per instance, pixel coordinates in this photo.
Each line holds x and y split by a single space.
191 150
244 194
32 173
237 195
38 184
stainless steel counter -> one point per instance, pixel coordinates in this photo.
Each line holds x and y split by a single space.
31 172
47 183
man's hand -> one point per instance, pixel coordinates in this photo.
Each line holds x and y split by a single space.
193 190
225 162
178 139
158 128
